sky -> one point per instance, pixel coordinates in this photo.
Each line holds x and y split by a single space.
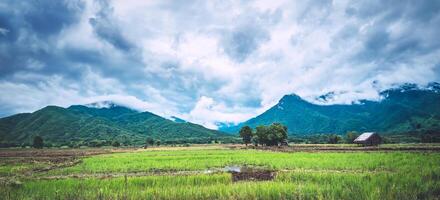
211 62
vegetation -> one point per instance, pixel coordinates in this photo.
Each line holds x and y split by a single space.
246 134
196 173
405 111
201 159
38 142
334 139
351 136
86 126
273 135
116 144
406 114
149 142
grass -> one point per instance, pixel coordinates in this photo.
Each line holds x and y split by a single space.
301 175
11 169
172 160
219 186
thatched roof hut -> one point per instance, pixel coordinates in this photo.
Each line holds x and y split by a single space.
368 139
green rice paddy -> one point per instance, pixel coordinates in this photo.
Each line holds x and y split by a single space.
300 175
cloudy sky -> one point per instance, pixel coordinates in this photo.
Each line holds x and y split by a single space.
211 61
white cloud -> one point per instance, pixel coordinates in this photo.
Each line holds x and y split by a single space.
208 112
182 62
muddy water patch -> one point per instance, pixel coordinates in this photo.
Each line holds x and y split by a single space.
247 173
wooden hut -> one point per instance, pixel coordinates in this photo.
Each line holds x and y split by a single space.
368 139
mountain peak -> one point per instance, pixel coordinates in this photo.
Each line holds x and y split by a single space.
103 104
290 98
407 87
396 112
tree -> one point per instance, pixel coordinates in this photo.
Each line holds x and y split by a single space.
261 134
277 134
38 142
116 144
255 140
149 142
334 139
158 143
246 134
273 135
351 136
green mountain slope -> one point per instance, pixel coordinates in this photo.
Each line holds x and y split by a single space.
402 110
82 124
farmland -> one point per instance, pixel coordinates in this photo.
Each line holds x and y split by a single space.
201 172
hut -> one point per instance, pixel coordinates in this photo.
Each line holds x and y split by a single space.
368 139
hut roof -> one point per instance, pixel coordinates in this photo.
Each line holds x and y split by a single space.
364 137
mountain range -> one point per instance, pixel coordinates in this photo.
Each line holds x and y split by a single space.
102 121
404 109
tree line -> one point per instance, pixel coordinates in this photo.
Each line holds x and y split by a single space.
39 142
272 135
276 135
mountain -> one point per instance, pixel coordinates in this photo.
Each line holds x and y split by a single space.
407 108
103 121
178 120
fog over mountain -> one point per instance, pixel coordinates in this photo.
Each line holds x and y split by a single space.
212 62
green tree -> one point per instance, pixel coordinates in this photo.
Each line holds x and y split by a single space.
38 142
277 134
158 143
273 135
334 139
255 140
351 136
261 134
116 143
149 142
246 134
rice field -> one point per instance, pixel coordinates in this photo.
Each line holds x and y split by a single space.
199 173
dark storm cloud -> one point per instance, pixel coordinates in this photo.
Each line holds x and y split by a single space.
40 17
229 56
249 33
33 29
106 29
7 22
242 41
49 17
415 23
374 45
30 26
437 70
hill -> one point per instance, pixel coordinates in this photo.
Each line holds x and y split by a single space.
402 110
92 124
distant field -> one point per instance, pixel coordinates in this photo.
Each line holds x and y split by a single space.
200 172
